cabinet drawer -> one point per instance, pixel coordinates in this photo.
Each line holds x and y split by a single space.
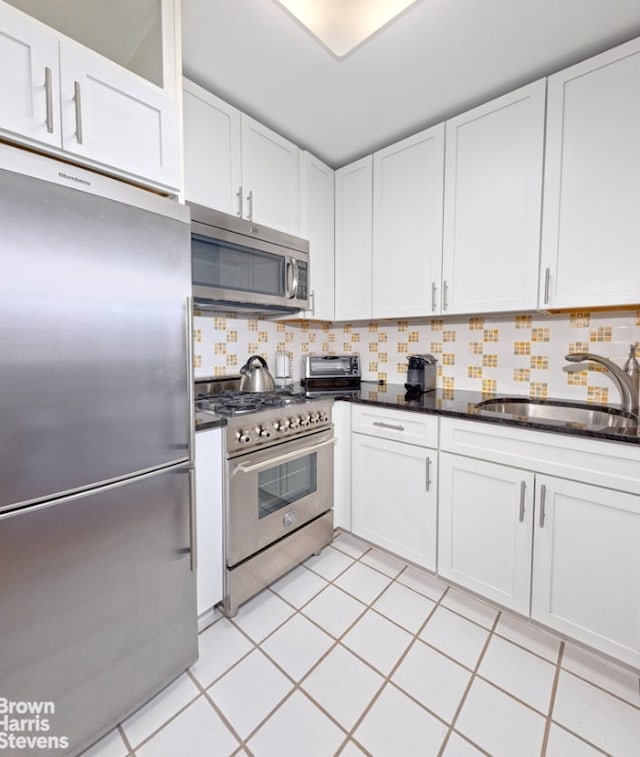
614 465
399 426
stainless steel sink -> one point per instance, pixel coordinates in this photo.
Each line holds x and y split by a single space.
576 415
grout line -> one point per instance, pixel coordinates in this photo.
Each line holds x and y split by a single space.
456 714
124 737
552 699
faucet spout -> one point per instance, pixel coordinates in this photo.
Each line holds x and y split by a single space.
628 397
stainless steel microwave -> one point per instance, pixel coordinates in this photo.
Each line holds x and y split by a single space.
238 265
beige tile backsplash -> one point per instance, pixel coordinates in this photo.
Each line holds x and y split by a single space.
515 354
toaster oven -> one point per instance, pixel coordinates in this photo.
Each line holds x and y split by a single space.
331 372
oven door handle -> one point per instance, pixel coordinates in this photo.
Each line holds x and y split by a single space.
244 468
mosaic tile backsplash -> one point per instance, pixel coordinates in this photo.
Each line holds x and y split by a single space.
514 354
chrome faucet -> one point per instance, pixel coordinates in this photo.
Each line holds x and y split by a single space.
628 395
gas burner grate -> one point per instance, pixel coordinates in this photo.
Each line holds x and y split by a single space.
239 403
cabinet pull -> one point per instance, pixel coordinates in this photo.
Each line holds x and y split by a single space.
78 102
428 473
250 204
523 489
543 496
547 281
49 95
434 289
388 425
240 197
445 295
312 301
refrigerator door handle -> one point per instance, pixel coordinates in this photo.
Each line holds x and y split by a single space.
193 532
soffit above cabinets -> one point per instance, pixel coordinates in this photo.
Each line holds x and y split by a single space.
436 59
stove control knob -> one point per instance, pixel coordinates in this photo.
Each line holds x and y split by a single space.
283 426
315 416
294 422
243 437
305 419
263 432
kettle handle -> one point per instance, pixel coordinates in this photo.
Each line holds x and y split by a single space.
259 358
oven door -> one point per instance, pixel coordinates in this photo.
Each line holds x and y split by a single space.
275 491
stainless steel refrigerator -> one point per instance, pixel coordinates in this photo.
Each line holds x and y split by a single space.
97 574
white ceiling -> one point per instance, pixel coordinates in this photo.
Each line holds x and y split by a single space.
438 58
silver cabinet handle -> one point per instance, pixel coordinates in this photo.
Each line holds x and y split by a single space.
428 474
78 102
543 496
388 425
312 302
250 204
240 197
523 489
547 282
246 468
48 87
434 289
445 295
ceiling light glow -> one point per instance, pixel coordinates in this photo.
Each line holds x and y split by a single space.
342 25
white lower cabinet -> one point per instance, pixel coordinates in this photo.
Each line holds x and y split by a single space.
485 528
394 494
341 416
537 541
208 493
586 563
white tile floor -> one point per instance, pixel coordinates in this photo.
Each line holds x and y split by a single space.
355 653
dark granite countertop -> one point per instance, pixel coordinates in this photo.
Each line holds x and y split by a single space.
206 420
461 403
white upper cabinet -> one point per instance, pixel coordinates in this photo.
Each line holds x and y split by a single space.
407 225
270 172
29 86
493 186
67 100
354 211
115 119
317 225
236 165
591 227
212 167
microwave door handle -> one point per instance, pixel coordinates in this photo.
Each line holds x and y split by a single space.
290 278
244 468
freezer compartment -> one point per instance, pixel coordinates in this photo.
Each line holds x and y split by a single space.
98 602
94 376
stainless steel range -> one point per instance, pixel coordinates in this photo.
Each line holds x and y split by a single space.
279 483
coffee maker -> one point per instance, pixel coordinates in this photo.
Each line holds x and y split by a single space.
421 374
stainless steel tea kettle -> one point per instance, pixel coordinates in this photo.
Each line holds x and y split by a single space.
255 376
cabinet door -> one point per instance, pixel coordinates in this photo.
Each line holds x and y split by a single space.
586 565
407 225
212 175
114 119
354 215
485 529
208 454
591 228
317 225
394 500
269 177
29 87
341 417
493 195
